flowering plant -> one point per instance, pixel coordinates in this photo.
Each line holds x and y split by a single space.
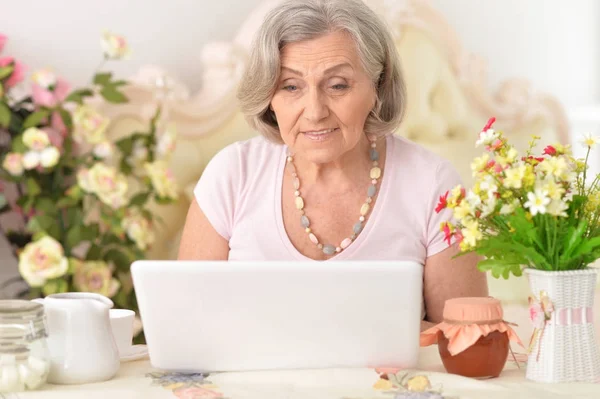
526 211
83 201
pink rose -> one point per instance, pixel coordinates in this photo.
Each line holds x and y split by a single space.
18 73
55 137
3 40
50 98
58 124
536 315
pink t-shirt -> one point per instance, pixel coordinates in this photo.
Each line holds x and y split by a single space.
240 194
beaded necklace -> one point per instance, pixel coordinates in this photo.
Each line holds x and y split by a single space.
328 249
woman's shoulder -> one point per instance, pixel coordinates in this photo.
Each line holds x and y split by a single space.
409 154
254 152
418 163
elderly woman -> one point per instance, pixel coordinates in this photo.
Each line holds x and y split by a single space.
328 180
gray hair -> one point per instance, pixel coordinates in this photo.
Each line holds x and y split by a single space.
299 20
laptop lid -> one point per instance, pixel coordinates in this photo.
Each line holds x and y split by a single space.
203 316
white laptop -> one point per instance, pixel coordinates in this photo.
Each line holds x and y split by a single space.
203 316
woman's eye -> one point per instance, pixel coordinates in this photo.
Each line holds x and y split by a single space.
339 86
290 88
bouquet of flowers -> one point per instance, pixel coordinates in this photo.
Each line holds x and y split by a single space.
84 201
525 210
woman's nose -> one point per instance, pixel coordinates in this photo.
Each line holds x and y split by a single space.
316 109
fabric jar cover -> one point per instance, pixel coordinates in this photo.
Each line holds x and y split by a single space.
466 320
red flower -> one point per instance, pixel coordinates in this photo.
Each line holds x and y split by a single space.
489 124
549 150
459 237
490 164
446 228
443 203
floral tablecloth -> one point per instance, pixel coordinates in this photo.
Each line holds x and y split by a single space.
139 380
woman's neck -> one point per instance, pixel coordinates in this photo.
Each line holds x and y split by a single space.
341 174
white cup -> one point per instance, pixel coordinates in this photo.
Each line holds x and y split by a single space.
121 321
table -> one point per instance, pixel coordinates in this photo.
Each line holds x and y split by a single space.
139 380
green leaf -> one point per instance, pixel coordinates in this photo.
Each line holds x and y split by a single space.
125 145
72 265
66 202
6 71
118 83
4 115
94 253
573 239
90 232
66 118
74 236
33 188
36 118
55 286
139 200
112 95
3 202
74 216
120 257
102 78
18 145
587 247
79 95
46 205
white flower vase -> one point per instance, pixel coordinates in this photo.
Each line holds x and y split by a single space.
564 348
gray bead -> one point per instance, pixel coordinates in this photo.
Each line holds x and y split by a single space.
328 249
372 190
357 227
305 222
374 154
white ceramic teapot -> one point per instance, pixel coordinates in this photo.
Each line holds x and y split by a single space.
80 340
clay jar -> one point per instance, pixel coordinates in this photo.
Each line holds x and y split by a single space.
473 340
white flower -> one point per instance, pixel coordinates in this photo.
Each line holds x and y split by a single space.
114 46
49 157
138 228
166 143
44 78
36 139
479 164
103 150
31 160
42 260
514 176
162 179
106 182
486 138
537 202
590 141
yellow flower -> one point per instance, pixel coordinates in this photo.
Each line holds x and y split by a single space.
558 207
529 176
514 176
555 191
13 163
555 167
114 46
94 276
42 260
162 179
36 139
471 233
463 210
479 164
90 125
509 158
138 228
106 182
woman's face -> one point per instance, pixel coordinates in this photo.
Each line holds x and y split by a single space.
323 97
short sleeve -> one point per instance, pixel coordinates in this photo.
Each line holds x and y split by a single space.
446 178
218 189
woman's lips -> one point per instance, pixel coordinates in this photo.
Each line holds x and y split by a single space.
321 135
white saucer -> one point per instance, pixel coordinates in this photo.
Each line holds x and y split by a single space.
135 352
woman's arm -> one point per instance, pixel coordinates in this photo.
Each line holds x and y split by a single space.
199 240
446 278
